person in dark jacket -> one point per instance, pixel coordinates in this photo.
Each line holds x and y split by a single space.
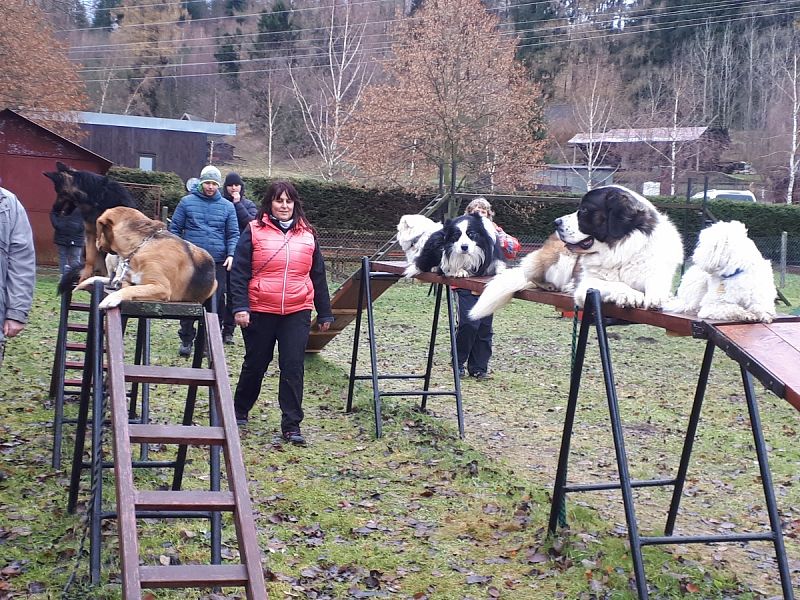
278 276
233 190
68 237
206 219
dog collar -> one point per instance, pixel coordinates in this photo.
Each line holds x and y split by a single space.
125 265
734 274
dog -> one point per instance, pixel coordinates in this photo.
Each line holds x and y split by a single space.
466 246
729 280
628 250
552 267
412 233
91 194
155 264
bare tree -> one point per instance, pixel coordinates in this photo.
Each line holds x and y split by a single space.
595 98
790 86
328 103
454 94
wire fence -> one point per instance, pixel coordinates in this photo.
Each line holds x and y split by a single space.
343 250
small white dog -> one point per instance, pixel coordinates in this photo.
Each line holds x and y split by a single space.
729 280
412 233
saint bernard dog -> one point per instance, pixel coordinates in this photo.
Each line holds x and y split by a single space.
628 250
616 242
466 246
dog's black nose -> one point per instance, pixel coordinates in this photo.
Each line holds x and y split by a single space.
557 222
464 247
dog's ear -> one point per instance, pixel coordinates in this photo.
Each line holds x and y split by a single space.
63 168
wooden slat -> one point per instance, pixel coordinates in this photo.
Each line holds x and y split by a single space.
184 500
771 352
171 375
82 327
156 310
76 346
152 433
181 576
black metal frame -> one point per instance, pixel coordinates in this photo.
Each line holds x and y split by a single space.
93 396
593 316
366 275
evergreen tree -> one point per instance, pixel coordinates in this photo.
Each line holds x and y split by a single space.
227 55
276 32
104 13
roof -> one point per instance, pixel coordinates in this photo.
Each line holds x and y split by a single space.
628 136
567 167
93 118
7 111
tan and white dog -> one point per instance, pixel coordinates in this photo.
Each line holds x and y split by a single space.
155 265
552 267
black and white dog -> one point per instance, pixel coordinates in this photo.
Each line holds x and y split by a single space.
466 246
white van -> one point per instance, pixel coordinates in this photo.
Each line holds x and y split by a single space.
736 195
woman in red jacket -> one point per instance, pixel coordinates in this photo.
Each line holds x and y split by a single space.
278 276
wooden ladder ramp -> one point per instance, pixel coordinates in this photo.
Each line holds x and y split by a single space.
223 434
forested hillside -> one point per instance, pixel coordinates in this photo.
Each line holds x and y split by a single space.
289 71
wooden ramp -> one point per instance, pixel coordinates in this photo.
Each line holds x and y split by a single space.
223 433
345 300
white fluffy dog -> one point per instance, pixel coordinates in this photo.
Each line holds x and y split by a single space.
412 233
729 280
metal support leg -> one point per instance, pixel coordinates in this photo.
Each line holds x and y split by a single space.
357 334
688 442
373 352
559 494
57 379
431 347
451 323
766 482
95 339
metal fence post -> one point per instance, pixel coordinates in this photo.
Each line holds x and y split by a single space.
784 240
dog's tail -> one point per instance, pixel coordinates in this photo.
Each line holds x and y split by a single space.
499 291
69 280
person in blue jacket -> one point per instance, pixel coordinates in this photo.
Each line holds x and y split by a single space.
68 237
207 220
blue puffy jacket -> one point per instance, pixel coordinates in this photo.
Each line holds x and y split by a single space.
207 221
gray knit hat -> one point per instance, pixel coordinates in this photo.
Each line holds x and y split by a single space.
211 173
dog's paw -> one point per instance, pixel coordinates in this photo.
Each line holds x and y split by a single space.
459 273
411 271
627 299
112 300
87 284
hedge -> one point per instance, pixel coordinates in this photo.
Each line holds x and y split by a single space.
342 206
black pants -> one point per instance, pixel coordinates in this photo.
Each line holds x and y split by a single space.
226 314
473 338
291 334
187 329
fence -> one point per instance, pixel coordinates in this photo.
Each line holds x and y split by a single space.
344 248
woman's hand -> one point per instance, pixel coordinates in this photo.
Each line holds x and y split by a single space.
242 318
228 263
324 326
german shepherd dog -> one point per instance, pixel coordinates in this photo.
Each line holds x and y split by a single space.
154 264
91 194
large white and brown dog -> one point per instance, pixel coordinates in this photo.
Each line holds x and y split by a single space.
628 250
729 280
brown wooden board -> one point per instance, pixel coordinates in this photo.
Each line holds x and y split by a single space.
771 352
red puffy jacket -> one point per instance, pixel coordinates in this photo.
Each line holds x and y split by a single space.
281 283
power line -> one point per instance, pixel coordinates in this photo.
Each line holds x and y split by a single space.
546 36
564 38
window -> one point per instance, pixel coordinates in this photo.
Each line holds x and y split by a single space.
147 162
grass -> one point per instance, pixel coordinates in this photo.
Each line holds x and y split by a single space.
421 513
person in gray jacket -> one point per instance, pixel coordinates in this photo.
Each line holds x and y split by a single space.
207 220
17 268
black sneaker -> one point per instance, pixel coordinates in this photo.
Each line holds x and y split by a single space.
480 375
185 350
227 339
461 372
241 418
294 437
